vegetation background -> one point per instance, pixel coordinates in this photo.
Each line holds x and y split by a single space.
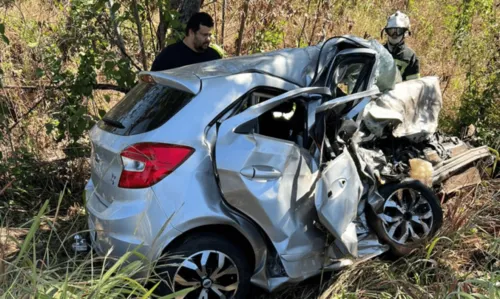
64 63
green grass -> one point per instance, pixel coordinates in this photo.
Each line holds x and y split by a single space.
463 261
46 267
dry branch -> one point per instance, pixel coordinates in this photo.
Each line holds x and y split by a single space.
116 37
99 86
242 27
137 19
223 22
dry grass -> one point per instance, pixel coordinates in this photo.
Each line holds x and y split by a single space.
464 259
33 21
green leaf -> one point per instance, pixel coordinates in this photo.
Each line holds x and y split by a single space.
180 293
5 39
33 45
115 7
433 244
150 292
107 98
2 28
102 113
39 73
33 229
460 294
49 128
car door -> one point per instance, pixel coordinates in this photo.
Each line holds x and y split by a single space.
350 78
269 179
339 189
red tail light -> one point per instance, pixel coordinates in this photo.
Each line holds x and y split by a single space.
145 164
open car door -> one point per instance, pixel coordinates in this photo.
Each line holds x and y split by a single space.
266 178
339 190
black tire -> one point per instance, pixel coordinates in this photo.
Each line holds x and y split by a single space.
196 243
398 249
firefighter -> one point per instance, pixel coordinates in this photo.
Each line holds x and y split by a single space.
397 28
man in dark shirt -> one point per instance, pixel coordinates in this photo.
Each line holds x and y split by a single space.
398 25
195 47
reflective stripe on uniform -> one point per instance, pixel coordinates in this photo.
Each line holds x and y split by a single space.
402 65
414 76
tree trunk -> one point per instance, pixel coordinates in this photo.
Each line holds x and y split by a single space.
161 31
242 27
223 22
150 22
188 8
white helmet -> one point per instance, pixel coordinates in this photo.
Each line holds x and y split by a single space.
398 20
398 23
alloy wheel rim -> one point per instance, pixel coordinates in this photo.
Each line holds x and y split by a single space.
407 216
210 274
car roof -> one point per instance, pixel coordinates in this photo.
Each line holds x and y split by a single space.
296 65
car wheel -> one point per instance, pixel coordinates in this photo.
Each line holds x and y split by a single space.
211 265
410 216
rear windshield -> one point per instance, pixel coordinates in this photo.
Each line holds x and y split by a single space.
145 108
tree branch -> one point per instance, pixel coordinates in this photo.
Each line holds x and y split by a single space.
305 23
223 22
95 86
311 38
116 37
6 186
161 30
207 4
150 21
242 27
111 87
137 19
41 99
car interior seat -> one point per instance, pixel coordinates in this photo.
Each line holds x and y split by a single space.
285 121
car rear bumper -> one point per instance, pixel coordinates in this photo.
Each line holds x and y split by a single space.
126 226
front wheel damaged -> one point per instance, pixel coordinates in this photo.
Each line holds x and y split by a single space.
410 216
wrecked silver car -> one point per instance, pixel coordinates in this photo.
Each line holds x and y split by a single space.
265 170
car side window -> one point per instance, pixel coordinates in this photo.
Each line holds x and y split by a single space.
350 74
259 97
346 76
286 121
255 98
249 100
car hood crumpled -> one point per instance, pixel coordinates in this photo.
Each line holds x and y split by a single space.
411 108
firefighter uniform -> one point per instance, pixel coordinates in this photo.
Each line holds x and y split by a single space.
406 60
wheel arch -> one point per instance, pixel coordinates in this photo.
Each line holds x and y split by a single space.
225 231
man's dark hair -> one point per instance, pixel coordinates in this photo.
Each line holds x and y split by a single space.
199 18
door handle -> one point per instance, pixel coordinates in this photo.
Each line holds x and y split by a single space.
266 172
261 172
